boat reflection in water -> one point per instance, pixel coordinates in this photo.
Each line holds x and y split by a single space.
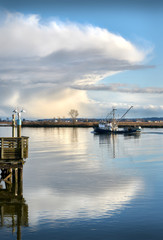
13 207
113 141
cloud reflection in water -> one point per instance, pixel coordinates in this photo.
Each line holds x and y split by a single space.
74 181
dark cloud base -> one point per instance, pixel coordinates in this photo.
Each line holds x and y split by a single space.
118 88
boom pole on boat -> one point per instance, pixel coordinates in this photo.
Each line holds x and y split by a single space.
125 113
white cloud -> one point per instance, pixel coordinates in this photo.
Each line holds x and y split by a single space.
25 36
40 62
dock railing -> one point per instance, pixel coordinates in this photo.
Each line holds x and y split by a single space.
13 147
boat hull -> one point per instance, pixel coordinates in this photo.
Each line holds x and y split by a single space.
107 131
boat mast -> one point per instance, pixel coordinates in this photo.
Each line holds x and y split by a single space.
114 123
114 109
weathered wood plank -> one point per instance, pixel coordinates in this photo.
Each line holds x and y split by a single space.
13 148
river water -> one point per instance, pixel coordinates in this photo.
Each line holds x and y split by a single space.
77 185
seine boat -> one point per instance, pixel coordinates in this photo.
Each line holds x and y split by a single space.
111 126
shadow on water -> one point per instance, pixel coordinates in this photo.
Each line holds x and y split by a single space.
13 207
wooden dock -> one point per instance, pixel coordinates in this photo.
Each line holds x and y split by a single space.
12 148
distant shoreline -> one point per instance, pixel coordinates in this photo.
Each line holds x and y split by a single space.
51 124
90 124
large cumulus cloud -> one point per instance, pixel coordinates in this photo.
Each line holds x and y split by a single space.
44 65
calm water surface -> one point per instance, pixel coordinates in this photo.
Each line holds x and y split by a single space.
77 185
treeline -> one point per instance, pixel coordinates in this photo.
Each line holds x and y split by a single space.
57 124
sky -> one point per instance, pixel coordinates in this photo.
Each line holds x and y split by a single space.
85 55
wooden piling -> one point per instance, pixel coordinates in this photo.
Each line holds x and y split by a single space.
20 182
2 215
22 148
2 148
19 127
13 125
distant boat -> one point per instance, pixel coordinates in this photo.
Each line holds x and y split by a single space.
112 125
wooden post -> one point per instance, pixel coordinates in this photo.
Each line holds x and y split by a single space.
15 181
2 216
19 127
20 195
25 146
13 125
22 147
19 220
20 182
2 150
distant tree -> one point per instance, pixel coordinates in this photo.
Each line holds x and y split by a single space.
73 114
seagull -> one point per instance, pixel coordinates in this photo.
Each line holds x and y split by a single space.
15 111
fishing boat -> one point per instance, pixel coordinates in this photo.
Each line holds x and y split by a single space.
111 126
